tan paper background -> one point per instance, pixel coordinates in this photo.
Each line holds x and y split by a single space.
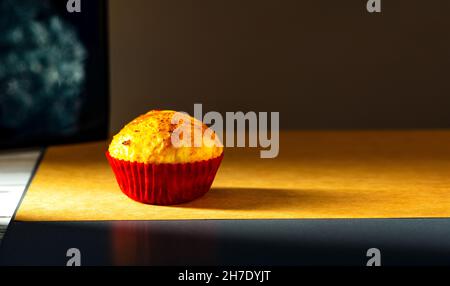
317 175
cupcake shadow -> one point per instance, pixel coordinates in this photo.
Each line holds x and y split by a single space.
263 199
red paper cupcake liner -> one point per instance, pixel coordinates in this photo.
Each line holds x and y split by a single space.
164 184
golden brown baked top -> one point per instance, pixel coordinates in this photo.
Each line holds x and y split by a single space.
147 139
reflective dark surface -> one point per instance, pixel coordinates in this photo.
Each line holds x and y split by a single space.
229 242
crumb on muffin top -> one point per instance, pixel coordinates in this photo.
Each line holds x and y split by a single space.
148 139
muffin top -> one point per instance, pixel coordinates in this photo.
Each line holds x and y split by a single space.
148 139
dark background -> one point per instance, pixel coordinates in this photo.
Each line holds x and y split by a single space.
93 31
323 64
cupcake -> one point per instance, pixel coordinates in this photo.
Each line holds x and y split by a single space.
165 158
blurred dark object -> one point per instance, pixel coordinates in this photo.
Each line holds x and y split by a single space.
53 73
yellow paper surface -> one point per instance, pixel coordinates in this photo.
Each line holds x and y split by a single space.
357 174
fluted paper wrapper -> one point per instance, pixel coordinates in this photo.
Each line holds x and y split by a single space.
164 184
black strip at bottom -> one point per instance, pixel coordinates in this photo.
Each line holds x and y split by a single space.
354 242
